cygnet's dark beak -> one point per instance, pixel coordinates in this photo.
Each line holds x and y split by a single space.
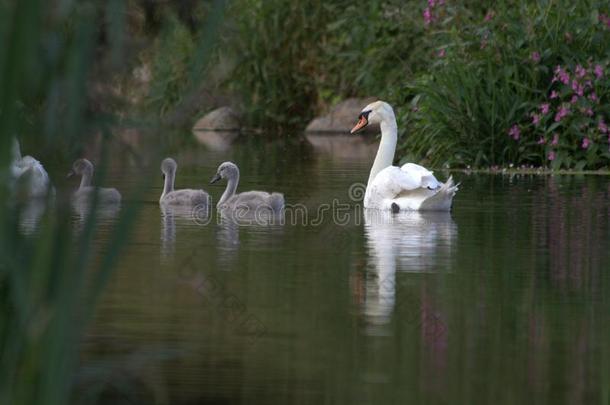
215 178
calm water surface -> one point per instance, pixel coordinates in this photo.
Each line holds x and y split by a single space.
505 300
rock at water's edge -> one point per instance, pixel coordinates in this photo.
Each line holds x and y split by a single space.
342 117
220 119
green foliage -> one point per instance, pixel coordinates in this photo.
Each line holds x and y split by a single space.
470 70
495 73
180 60
295 58
171 59
278 49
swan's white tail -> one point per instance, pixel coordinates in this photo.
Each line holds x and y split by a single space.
441 201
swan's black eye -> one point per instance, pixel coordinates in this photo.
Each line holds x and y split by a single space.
365 115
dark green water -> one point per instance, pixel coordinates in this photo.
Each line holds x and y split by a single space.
505 300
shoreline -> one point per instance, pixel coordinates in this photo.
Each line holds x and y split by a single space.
530 171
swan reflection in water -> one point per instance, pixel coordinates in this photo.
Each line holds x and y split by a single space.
227 225
30 215
104 213
32 211
227 237
261 228
184 215
415 242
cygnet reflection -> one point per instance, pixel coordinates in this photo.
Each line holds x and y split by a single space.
170 215
103 213
262 230
227 236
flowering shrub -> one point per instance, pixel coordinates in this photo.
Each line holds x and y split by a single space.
430 14
522 83
570 124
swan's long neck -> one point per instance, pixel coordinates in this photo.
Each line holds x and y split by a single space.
85 180
16 151
168 185
387 147
230 190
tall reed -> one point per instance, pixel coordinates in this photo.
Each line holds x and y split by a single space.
52 55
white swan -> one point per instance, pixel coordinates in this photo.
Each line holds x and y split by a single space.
251 202
84 194
184 197
28 175
410 187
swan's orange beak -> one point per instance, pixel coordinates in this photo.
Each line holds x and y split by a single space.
362 122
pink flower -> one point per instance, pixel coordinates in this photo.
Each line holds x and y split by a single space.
603 128
580 71
574 99
555 140
551 156
554 94
593 96
589 112
577 87
441 53
604 19
545 108
541 141
585 143
514 132
561 75
535 56
490 15
428 18
561 113
599 71
535 119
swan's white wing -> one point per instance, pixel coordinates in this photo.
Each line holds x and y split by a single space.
412 167
188 197
408 187
16 171
33 173
19 167
106 196
424 176
392 181
254 200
